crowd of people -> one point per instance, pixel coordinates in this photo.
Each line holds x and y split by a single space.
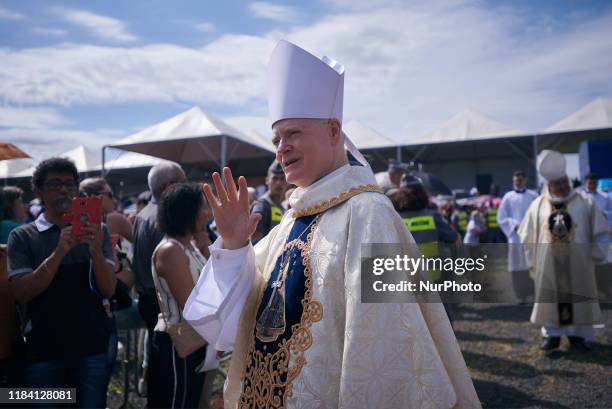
434 223
275 279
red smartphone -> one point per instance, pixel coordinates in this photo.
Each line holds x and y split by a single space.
85 210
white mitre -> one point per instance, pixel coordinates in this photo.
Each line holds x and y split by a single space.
300 85
551 165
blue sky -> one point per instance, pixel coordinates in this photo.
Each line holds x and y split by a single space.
75 72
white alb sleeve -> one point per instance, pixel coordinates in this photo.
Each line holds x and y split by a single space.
214 306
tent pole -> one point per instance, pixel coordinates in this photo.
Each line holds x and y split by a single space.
223 161
103 159
535 159
398 154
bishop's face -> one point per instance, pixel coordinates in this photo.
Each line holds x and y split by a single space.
304 148
560 188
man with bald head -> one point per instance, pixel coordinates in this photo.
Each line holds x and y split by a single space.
290 308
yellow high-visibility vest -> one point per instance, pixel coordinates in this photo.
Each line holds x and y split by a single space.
277 214
462 222
423 230
492 218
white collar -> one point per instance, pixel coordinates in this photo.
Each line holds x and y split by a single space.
329 176
333 189
42 224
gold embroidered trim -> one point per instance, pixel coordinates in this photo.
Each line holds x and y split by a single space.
262 375
342 197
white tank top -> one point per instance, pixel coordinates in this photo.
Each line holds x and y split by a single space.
170 312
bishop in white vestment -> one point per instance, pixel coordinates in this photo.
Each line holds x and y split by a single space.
290 307
560 231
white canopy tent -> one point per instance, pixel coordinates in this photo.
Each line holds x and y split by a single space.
132 160
84 159
365 137
196 137
595 115
375 146
126 172
10 168
591 122
468 125
265 141
473 149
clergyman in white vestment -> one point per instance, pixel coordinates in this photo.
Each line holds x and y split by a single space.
511 211
560 232
289 308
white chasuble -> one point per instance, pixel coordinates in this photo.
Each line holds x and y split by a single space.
560 237
338 352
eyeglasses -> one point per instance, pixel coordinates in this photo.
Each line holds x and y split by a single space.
56 184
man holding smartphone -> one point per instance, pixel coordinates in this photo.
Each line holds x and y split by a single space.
61 281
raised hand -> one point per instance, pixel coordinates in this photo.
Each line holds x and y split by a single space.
231 210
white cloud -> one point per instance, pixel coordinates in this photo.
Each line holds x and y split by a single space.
275 12
229 71
206 27
45 143
408 69
102 26
30 118
7 14
53 32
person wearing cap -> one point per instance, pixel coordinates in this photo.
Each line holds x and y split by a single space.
290 307
559 231
269 205
511 212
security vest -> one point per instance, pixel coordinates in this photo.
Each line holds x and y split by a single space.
276 213
462 221
492 218
422 225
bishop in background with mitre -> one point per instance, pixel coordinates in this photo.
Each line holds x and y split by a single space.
562 232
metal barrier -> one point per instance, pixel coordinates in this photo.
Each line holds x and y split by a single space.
131 330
